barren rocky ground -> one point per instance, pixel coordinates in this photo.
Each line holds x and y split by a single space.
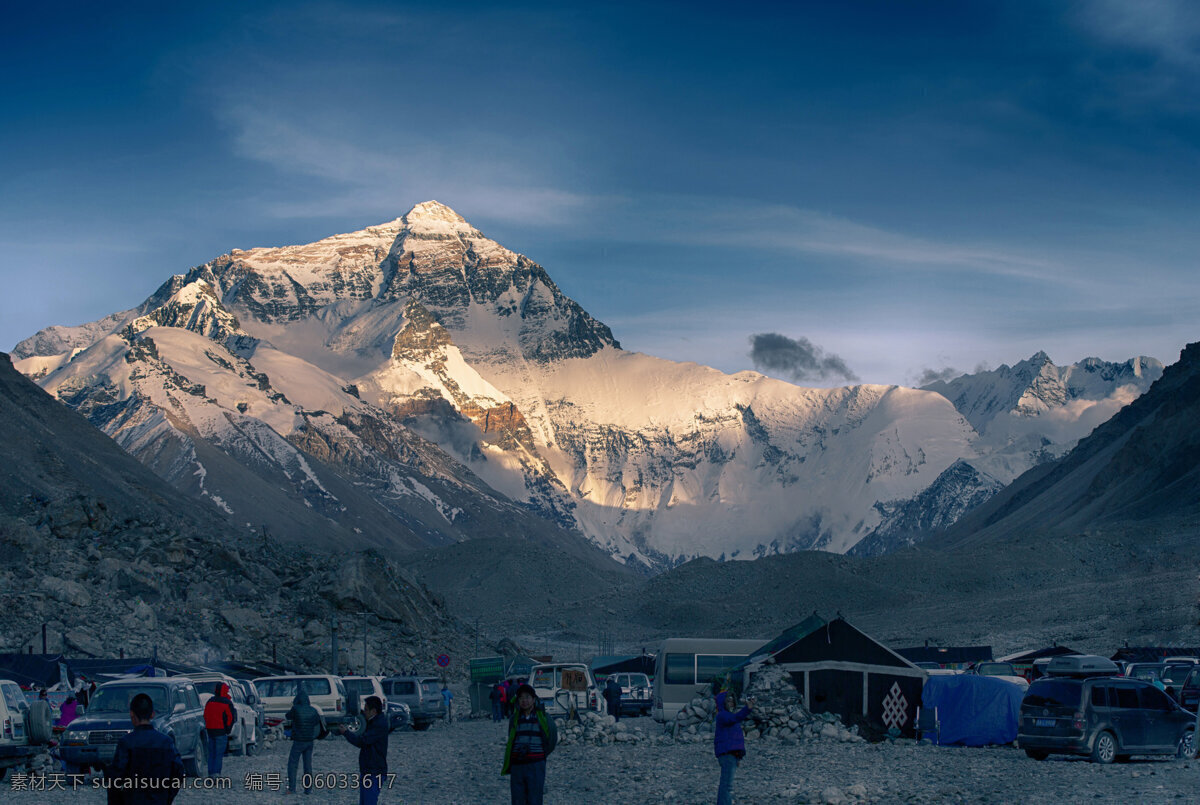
460 763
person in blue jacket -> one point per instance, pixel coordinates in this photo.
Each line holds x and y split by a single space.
729 743
372 751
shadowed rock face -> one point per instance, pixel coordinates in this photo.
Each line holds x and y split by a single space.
112 557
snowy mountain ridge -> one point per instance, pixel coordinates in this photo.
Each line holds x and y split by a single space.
417 370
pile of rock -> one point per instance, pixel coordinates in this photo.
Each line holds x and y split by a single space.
593 728
779 713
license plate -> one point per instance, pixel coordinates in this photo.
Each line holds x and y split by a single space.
1044 722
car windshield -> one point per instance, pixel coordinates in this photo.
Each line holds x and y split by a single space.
639 681
117 698
1053 693
1144 671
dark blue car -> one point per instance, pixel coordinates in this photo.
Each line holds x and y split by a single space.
91 739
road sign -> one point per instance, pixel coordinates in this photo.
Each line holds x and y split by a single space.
443 660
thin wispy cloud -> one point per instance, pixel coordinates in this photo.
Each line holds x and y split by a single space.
1170 29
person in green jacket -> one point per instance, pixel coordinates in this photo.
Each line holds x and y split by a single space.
531 738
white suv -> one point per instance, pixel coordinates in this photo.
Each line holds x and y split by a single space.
566 686
325 692
24 727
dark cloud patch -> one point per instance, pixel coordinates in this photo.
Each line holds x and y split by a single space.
943 375
797 358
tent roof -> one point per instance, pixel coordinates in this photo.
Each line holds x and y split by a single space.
623 663
1152 653
815 640
1037 654
31 670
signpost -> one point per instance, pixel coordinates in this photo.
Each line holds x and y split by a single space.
443 660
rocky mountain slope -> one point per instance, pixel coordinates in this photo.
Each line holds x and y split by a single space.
1097 548
111 557
416 384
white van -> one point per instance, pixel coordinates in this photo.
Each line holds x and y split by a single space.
684 666
325 692
566 686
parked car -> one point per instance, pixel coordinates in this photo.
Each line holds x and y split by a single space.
1173 675
91 739
1000 670
243 738
358 688
563 686
24 727
637 693
1189 691
1149 671
325 692
252 698
399 715
1105 718
422 695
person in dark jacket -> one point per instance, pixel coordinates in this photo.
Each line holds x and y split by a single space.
729 742
372 751
146 768
532 736
495 696
612 697
219 718
308 725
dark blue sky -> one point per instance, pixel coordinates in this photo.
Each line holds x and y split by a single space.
907 185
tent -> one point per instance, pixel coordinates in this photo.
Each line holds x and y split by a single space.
974 710
840 670
947 656
623 664
34 670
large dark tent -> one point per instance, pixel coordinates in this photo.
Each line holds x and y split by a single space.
840 670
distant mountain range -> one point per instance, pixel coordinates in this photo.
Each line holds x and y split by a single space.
417 384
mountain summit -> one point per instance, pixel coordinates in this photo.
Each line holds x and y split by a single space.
415 383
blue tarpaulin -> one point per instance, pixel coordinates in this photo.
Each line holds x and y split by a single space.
974 710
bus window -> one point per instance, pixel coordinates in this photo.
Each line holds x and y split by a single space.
712 666
680 669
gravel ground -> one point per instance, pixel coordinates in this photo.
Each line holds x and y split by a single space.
460 763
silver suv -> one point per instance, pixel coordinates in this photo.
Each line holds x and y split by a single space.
422 694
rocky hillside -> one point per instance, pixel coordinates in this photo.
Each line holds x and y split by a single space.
111 557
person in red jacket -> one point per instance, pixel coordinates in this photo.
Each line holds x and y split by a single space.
219 718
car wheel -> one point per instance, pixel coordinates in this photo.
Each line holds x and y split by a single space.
421 725
1037 754
198 765
38 724
1104 748
1187 745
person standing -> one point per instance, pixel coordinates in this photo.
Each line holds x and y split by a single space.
372 751
447 702
504 699
219 718
495 697
147 756
308 726
612 697
729 743
532 736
